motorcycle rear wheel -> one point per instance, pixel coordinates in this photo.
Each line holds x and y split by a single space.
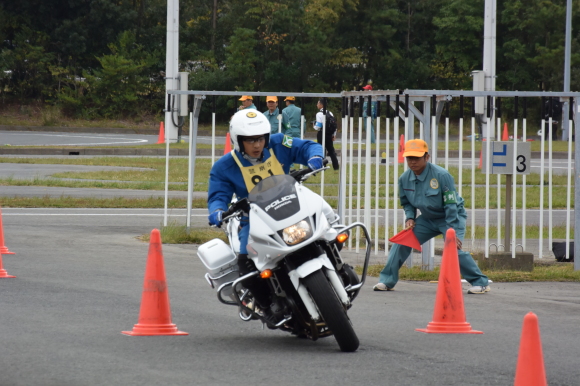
332 311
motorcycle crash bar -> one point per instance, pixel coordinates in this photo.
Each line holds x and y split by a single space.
369 242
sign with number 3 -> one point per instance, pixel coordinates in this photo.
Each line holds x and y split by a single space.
501 160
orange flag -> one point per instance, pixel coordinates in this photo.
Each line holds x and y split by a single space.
407 238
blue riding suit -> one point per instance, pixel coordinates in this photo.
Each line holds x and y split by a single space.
225 177
433 193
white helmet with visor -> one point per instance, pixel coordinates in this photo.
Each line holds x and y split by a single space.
248 123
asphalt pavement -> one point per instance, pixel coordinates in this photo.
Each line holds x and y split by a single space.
80 280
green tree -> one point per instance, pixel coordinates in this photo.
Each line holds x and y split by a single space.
26 66
458 39
119 87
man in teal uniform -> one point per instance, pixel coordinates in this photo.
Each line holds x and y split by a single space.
368 87
291 118
431 189
247 103
272 113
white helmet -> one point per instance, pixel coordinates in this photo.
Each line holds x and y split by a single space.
248 123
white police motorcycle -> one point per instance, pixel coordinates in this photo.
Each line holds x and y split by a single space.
295 242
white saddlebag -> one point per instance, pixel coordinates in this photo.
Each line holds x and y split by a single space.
221 263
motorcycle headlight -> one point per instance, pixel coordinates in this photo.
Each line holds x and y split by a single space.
297 233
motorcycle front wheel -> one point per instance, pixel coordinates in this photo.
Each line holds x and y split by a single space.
332 311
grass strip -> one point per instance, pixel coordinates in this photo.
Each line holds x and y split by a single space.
557 272
175 233
92 202
153 179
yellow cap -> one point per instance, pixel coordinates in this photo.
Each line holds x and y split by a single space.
415 148
290 98
244 97
271 99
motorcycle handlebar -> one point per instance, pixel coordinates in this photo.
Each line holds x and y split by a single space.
235 207
299 175
244 205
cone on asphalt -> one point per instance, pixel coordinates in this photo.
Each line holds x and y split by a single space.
155 312
530 369
161 138
407 238
401 159
228 147
3 272
505 135
3 248
449 313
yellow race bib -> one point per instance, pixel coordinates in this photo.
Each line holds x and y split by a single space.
256 173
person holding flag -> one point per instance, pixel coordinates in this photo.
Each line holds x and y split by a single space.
431 189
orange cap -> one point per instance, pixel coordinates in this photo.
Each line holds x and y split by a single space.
415 148
290 98
244 97
271 99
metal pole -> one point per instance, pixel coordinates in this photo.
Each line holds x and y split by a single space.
166 182
489 45
567 52
192 150
212 130
343 163
576 186
377 174
507 214
171 64
368 149
567 49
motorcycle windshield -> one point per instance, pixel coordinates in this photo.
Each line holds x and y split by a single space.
276 195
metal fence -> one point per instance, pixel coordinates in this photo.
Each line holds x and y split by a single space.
371 195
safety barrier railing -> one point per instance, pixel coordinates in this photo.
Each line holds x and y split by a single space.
355 192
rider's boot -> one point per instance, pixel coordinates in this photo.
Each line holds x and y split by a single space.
257 286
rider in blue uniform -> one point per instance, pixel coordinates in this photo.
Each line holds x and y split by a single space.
256 155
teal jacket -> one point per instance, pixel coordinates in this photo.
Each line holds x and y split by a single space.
252 106
373 110
291 120
273 119
433 193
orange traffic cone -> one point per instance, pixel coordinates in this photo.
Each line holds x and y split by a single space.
530 368
228 147
505 135
3 248
161 138
449 313
407 238
155 313
401 149
3 272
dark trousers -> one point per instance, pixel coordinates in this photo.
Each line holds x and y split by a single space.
329 147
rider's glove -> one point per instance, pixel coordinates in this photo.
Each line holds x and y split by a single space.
216 218
315 163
